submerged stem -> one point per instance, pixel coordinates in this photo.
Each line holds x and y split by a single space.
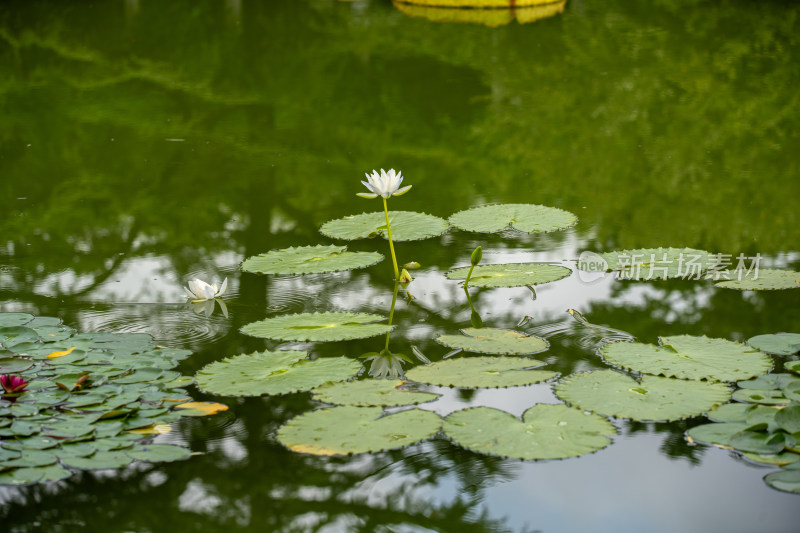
391 244
391 314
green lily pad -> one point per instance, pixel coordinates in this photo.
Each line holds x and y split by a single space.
785 480
788 418
348 430
481 372
760 443
40 321
99 460
272 373
764 397
37 442
717 434
75 449
545 432
792 366
13 365
17 335
653 263
333 326
10 320
141 375
510 275
492 340
780 459
528 218
371 392
767 280
53 333
776 343
31 458
689 357
405 226
769 382
309 260
611 393
729 412
158 453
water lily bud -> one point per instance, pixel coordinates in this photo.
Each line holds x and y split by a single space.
413 265
476 256
405 277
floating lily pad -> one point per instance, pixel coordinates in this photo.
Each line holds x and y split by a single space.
510 275
689 357
405 226
481 372
653 263
788 418
334 326
545 432
777 343
767 280
787 480
348 430
492 340
158 453
10 320
53 333
13 365
792 366
528 218
611 393
780 459
769 382
309 260
760 442
17 335
764 397
31 458
718 434
273 373
371 392
99 460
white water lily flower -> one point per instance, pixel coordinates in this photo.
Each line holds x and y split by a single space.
199 290
385 184
386 365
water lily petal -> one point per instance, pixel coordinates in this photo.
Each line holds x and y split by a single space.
366 195
223 288
402 191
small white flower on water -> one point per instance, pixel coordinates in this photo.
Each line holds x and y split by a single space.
199 290
386 365
385 184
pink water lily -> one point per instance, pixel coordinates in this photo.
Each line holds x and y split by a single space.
12 384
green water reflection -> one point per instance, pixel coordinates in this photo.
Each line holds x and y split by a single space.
144 142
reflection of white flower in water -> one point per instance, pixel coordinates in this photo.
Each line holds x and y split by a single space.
385 184
206 307
386 365
199 290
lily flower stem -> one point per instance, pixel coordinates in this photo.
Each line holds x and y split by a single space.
469 275
391 313
391 244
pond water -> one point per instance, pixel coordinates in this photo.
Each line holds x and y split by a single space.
146 143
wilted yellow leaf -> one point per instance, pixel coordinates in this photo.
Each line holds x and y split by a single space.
60 354
200 408
158 429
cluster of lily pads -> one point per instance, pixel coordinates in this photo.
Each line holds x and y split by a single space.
77 401
764 423
685 376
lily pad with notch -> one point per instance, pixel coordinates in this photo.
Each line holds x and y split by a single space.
510 275
329 326
273 373
776 343
346 430
481 372
689 357
545 432
309 260
787 479
494 340
405 226
528 218
371 392
653 398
